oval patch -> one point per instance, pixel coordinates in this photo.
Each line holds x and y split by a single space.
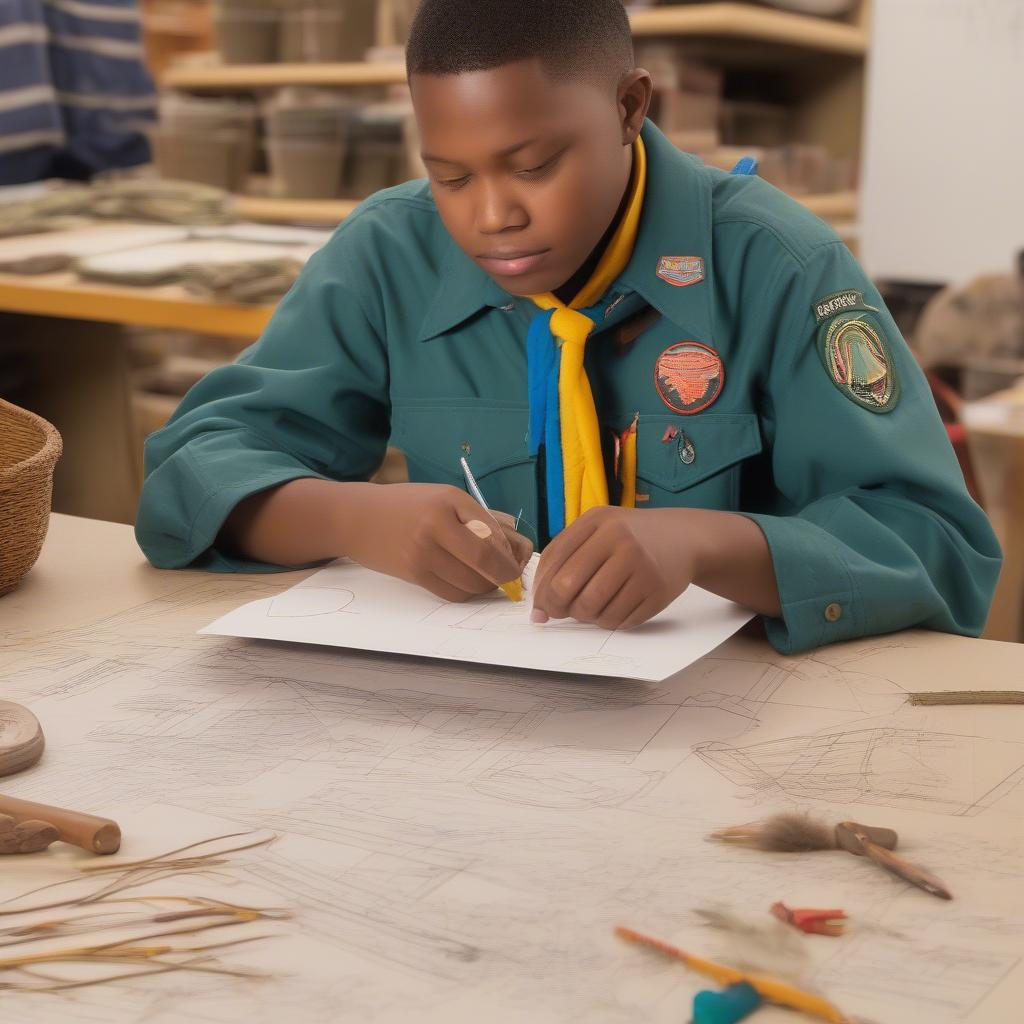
858 360
689 376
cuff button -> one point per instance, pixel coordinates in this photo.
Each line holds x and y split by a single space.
833 612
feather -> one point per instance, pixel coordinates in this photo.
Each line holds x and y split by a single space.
782 833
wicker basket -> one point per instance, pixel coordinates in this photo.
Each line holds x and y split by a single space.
29 449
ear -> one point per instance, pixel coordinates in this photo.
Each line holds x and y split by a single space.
634 97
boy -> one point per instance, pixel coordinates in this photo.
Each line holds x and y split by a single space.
680 376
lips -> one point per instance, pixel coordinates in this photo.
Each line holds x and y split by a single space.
513 264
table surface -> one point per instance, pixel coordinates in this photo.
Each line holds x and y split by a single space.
66 295
457 840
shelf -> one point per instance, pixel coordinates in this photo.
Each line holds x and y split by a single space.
216 77
294 211
744 21
65 295
735 21
835 207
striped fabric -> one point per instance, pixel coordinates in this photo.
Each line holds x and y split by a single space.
75 95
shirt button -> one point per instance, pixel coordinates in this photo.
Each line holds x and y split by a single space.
834 612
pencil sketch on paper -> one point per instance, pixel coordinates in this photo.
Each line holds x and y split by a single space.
461 836
346 605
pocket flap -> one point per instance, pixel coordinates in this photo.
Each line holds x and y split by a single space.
490 435
715 441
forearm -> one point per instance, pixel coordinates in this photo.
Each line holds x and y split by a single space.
733 559
301 522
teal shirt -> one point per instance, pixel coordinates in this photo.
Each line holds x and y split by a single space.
393 333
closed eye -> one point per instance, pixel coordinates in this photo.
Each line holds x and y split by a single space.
454 183
533 173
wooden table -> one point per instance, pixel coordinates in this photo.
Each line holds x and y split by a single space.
65 295
458 842
69 333
995 433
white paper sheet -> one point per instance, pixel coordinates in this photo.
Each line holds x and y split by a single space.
346 605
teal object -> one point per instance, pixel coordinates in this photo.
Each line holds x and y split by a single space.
393 333
730 1006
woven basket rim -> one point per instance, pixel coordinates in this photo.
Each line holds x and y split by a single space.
46 457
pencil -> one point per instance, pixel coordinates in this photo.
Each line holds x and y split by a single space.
513 590
772 989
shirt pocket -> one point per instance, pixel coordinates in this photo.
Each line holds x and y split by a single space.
694 461
491 436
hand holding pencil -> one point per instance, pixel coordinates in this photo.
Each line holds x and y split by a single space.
437 537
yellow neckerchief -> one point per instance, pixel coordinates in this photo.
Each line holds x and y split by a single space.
583 464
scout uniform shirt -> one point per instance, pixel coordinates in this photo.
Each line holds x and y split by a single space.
758 362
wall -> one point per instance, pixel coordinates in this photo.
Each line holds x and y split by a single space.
943 190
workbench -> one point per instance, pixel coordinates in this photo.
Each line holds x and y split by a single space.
457 843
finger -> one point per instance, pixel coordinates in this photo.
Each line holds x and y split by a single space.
522 547
622 606
646 611
601 589
559 590
563 547
442 589
478 544
442 564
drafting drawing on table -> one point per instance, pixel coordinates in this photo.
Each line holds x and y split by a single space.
468 834
891 767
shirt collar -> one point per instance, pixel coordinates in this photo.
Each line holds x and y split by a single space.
463 290
676 221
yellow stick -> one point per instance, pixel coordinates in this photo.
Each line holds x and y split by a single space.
772 989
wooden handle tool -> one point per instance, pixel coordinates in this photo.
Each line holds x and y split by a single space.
97 835
855 839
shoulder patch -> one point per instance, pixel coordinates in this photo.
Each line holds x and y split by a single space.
856 355
839 302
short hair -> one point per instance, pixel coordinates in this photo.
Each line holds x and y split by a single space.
573 38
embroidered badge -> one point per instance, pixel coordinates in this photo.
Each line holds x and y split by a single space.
689 377
859 362
681 270
839 302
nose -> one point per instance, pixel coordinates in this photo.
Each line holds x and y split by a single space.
499 210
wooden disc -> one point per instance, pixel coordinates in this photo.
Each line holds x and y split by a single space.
21 738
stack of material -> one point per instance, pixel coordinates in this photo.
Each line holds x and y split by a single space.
248 31
800 169
320 31
307 142
378 156
139 199
687 95
692 107
256 282
212 141
326 31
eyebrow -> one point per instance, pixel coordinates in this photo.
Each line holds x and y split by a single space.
507 151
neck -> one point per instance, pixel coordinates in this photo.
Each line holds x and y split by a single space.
568 291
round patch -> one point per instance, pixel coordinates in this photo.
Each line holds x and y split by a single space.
859 362
689 376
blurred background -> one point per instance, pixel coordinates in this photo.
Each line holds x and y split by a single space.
167 166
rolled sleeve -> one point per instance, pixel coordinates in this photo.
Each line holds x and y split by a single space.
310 399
